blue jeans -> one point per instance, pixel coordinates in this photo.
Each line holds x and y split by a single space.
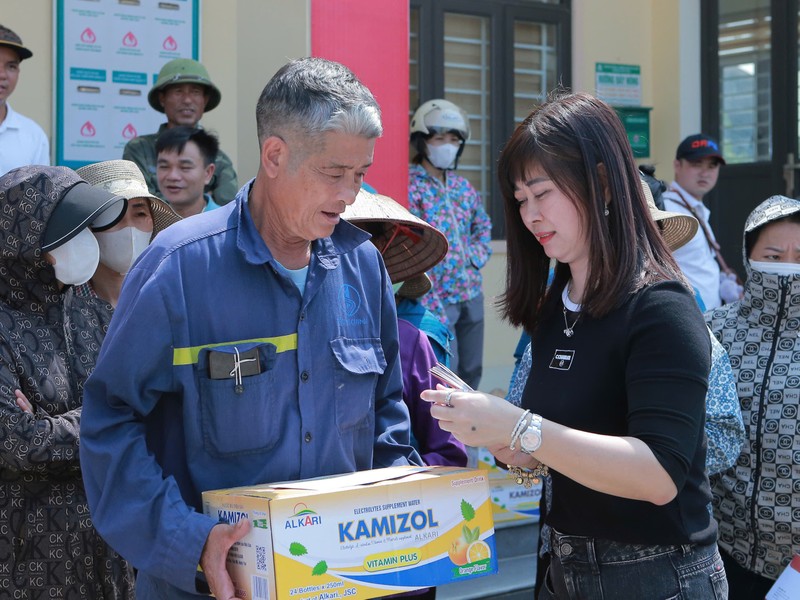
583 568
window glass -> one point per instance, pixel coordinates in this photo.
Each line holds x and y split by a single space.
745 86
467 55
535 63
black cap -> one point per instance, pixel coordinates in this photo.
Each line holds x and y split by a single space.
81 205
699 146
9 39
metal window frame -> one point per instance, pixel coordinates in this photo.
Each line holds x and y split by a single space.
503 14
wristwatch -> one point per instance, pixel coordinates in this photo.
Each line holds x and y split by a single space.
531 438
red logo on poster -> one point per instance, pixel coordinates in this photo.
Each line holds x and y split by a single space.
170 44
129 132
88 36
130 40
88 129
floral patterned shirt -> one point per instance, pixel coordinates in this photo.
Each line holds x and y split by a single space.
455 209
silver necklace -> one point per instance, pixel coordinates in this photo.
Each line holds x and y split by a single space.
569 330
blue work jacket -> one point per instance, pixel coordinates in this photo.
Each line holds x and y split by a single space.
158 428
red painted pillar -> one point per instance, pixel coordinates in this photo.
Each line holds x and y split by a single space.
371 38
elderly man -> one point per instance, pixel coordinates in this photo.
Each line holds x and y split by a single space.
254 343
183 92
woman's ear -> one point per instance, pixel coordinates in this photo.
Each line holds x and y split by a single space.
603 176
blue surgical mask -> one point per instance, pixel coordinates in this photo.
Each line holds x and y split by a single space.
775 268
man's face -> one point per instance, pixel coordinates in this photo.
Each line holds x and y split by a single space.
9 72
183 176
313 193
184 103
698 177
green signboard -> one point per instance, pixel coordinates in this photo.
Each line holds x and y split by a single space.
619 85
636 120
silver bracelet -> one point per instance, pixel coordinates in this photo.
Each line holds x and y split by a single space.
518 429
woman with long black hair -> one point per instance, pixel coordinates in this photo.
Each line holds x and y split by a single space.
614 405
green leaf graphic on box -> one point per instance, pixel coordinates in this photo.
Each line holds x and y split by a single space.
296 549
320 568
470 535
467 511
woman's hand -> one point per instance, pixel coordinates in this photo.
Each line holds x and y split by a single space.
23 402
474 418
516 458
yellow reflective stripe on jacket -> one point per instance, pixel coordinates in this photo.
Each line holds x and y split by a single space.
188 356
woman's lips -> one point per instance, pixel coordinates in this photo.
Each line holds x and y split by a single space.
545 237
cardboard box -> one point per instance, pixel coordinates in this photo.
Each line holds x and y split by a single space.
510 501
361 535
787 585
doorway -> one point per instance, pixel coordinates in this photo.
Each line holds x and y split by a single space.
750 104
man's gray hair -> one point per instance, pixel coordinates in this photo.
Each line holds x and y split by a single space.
311 96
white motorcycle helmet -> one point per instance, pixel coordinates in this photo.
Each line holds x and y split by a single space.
439 116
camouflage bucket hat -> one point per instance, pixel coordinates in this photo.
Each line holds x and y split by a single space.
184 70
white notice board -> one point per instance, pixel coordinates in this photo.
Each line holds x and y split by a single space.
108 55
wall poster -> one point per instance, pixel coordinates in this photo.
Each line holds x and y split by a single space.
108 55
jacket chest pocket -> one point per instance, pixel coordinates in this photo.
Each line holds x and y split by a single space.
237 403
357 365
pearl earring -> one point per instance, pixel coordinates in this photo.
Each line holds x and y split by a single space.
605 211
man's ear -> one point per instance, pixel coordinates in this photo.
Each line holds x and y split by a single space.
161 95
210 169
676 164
602 174
274 154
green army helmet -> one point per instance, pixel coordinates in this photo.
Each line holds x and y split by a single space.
183 70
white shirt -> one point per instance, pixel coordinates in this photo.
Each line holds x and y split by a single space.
696 258
22 142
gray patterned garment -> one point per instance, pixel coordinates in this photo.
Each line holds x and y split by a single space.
757 502
49 341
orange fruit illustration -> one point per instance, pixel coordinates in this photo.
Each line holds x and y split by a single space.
458 551
478 551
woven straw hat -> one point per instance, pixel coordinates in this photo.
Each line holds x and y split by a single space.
676 228
123 178
416 287
409 245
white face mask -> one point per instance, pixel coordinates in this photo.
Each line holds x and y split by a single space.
775 268
77 260
442 156
119 248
